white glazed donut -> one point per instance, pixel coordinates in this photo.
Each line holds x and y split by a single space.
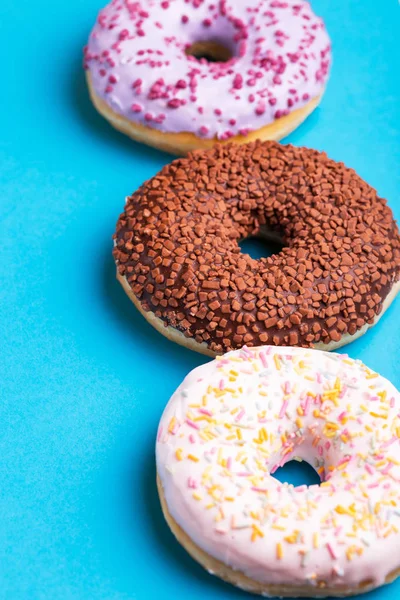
234 421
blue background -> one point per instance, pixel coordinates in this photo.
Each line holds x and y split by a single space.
83 378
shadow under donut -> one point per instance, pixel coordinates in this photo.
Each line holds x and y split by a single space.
136 329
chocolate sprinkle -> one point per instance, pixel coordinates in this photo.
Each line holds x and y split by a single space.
177 245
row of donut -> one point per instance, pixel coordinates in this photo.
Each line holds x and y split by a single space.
219 76
236 420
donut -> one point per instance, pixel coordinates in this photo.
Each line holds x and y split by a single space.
178 257
181 75
234 421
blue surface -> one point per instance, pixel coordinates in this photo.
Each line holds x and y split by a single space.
84 379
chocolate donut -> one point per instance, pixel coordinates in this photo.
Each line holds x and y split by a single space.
178 256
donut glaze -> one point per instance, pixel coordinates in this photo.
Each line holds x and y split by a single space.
235 420
177 249
138 65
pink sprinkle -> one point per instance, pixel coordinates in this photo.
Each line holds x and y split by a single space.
184 19
320 450
136 108
260 109
319 378
342 415
386 470
123 34
192 483
245 351
240 415
327 445
191 438
283 409
159 433
205 411
221 384
238 82
307 405
174 103
392 402
263 360
192 424
258 489
338 530
229 463
287 387
331 551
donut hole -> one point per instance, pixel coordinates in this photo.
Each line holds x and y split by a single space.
210 51
297 473
264 244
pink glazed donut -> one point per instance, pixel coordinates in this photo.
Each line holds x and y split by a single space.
184 74
234 421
